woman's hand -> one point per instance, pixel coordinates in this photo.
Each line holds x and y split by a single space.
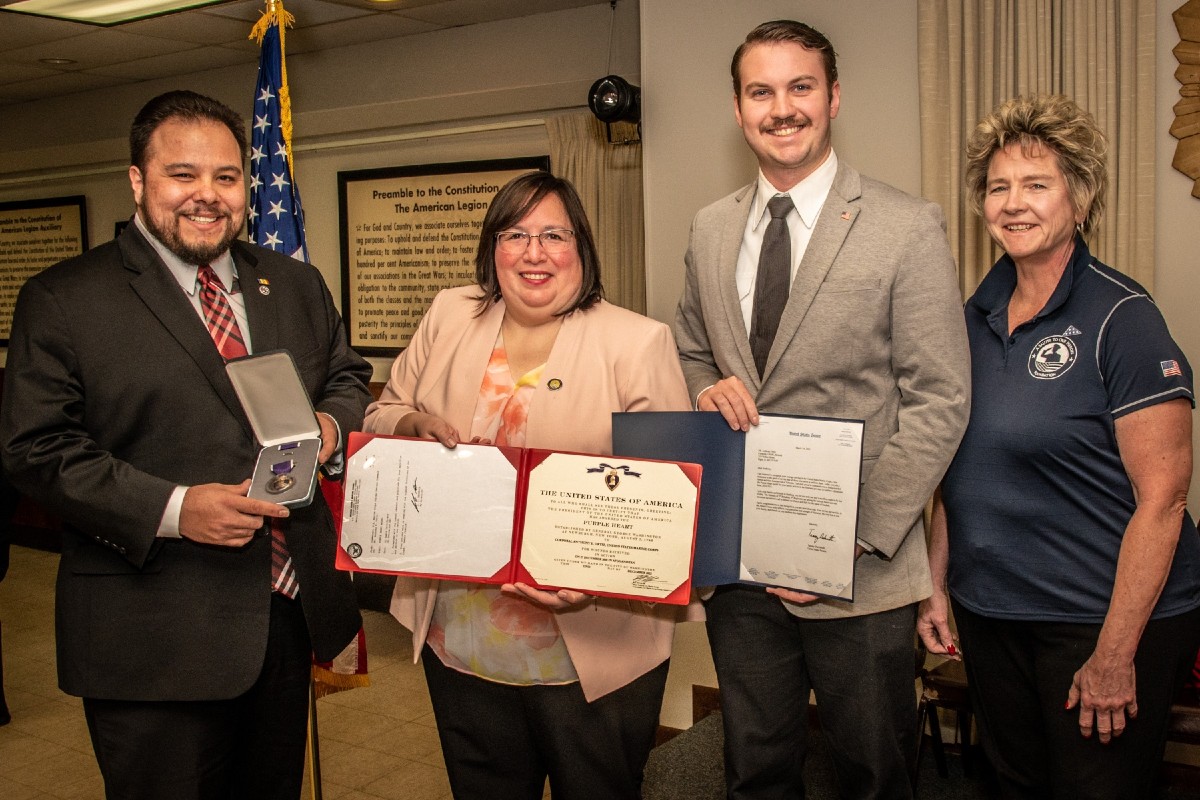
933 625
1105 691
561 600
426 426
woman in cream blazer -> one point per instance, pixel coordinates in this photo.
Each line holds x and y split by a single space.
598 358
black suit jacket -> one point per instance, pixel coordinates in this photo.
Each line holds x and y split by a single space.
114 395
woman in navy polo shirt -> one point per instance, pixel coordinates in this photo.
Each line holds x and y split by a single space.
1061 533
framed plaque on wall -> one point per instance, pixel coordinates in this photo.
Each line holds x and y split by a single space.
406 234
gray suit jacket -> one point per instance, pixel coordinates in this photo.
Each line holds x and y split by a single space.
873 330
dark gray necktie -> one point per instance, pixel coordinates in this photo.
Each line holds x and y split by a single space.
774 279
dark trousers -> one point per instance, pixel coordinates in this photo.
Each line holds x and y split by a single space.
861 670
1019 673
501 742
250 747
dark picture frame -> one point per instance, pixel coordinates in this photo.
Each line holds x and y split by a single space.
34 234
407 233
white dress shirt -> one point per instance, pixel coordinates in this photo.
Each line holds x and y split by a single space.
808 196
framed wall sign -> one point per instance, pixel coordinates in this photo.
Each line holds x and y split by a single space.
406 234
33 235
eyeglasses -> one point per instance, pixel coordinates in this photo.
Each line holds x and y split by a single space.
558 240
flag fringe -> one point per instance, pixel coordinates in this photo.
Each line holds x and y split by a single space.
327 682
276 14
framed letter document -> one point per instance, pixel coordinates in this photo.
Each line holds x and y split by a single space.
595 524
780 504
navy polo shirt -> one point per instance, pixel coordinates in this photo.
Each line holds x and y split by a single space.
1037 498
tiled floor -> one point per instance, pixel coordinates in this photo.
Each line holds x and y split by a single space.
375 742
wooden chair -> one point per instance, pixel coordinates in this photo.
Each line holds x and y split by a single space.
1184 723
944 686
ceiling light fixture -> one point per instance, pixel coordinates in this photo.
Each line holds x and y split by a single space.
103 12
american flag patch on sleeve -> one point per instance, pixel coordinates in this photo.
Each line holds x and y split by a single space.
1170 368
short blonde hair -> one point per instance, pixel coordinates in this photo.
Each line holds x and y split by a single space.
1058 124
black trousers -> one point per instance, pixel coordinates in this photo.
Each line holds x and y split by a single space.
861 670
1018 674
501 742
250 747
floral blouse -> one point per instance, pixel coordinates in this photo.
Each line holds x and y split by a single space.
475 627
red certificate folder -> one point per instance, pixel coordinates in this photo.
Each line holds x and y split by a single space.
550 519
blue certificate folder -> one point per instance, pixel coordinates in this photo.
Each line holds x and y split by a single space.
707 439
702 437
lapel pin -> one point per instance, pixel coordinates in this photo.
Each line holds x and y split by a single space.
846 215
554 384
264 287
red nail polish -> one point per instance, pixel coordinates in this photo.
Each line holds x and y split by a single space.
951 649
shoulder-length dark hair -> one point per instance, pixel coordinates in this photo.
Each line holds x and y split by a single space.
511 204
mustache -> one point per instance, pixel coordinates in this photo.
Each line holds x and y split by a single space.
786 122
204 211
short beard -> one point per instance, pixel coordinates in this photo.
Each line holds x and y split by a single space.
190 254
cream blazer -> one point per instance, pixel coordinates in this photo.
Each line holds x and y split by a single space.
605 359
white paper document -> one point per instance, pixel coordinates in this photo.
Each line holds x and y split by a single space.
429 508
800 504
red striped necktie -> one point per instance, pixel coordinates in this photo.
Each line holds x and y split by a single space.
223 327
218 315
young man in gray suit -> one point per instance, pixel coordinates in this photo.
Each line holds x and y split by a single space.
817 291
177 623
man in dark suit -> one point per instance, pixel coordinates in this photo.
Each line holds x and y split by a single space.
192 659
862 320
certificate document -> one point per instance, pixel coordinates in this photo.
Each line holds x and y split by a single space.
780 503
623 528
614 527
421 508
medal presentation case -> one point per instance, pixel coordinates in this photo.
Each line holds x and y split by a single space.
281 414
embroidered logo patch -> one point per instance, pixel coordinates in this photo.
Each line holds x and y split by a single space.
1052 357
1072 331
1170 368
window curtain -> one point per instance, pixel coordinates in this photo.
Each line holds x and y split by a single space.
973 54
609 181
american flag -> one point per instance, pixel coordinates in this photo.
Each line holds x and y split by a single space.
277 222
1170 368
276 218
